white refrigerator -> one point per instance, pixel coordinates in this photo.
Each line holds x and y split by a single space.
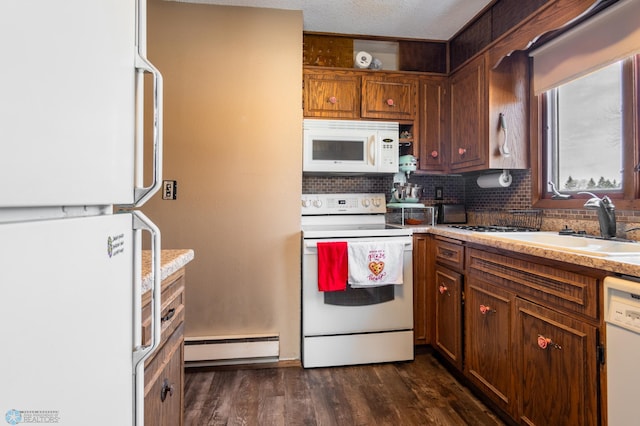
71 150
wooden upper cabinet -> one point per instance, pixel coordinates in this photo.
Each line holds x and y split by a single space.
468 116
489 115
386 96
360 94
432 118
332 94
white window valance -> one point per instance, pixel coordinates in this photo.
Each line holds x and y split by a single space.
607 37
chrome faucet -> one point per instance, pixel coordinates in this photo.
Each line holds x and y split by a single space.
606 213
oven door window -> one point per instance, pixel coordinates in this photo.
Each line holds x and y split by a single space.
360 296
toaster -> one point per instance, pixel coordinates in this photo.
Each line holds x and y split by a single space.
451 213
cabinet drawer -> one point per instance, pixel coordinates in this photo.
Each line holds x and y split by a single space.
163 390
172 307
551 285
449 252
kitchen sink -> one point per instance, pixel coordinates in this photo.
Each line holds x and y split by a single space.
573 243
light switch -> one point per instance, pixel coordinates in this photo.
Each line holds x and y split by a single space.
169 189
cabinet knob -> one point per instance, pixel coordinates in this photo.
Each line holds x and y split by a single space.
484 309
443 289
170 313
546 343
434 154
333 100
167 388
390 102
462 151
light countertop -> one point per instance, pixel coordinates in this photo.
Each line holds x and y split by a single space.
629 265
170 262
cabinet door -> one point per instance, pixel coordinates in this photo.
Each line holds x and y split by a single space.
488 314
448 305
421 309
508 100
432 124
469 109
332 95
557 367
389 97
163 402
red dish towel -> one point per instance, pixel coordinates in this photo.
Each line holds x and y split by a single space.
332 266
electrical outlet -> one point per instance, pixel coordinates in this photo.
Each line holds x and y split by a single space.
169 189
438 195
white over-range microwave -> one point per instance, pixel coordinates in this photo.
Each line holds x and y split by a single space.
349 146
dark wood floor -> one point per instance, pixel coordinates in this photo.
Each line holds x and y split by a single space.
421 392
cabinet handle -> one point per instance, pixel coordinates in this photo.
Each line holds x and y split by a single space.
390 102
333 100
447 253
167 388
462 151
434 154
170 313
484 309
443 289
545 343
504 148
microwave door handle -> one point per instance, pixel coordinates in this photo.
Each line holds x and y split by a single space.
371 150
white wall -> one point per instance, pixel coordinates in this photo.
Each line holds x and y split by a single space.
233 130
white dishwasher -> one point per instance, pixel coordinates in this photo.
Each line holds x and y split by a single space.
622 317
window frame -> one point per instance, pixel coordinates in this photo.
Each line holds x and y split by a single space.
629 197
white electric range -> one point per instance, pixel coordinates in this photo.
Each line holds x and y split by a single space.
358 325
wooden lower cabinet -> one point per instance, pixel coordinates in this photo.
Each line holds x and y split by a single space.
448 314
489 358
421 303
557 367
164 370
531 327
163 399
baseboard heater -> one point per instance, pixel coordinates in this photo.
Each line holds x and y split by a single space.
229 350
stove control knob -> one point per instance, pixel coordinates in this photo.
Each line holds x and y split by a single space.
377 202
366 202
317 203
306 203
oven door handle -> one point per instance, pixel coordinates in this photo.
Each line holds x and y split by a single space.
314 244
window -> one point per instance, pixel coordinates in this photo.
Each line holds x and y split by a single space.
584 132
588 140
586 119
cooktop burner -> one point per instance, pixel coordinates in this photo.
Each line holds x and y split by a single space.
493 228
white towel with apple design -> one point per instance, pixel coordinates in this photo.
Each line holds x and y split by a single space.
375 263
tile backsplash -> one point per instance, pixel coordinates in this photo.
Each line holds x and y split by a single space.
464 190
452 186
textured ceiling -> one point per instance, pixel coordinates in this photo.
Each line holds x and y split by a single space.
420 19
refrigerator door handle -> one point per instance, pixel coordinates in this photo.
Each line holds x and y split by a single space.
143 193
141 353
